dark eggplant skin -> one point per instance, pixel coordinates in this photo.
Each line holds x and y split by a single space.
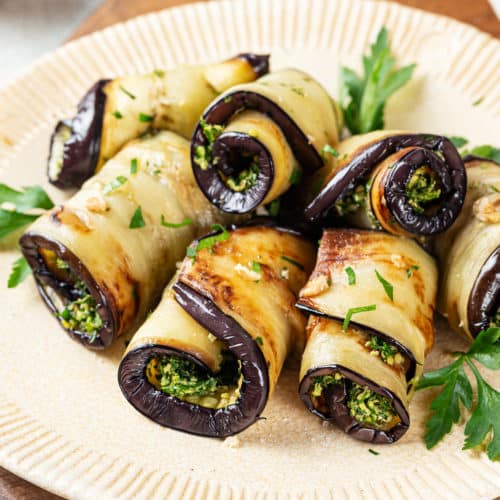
484 298
172 412
81 150
259 62
336 399
451 175
228 145
30 245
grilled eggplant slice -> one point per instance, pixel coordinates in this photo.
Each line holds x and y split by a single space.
114 112
102 259
257 139
371 297
469 252
406 184
208 358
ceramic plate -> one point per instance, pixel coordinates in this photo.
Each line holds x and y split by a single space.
63 421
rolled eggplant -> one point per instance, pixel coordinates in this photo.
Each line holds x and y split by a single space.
114 112
102 259
258 139
469 253
371 298
406 184
208 358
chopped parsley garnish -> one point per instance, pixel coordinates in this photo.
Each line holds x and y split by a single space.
409 271
351 275
364 98
388 288
117 115
483 426
295 177
356 310
19 272
145 118
478 102
175 225
259 340
373 452
114 184
126 92
328 150
209 241
137 220
159 73
133 166
294 262
256 267
458 142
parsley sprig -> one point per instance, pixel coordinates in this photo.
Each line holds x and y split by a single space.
363 98
486 151
26 206
483 425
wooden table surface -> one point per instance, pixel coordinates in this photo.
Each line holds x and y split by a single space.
476 12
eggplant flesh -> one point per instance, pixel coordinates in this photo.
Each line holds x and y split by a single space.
97 273
371 302
258 126
336 399
469 295
415 184
221 301
173 412
113 112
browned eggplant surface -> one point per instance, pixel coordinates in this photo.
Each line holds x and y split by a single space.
258 139
114 112
102 259
371 298
406 184
208 358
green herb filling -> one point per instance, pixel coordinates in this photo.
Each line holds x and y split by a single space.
388 353
203 154
81 314
422 189
369 408
188 381
246 178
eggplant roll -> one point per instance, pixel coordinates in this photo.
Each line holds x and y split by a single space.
371 297
406 184
258 139
102 259
114 112
469 252
208 358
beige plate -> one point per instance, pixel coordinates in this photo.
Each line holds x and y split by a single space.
63 421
